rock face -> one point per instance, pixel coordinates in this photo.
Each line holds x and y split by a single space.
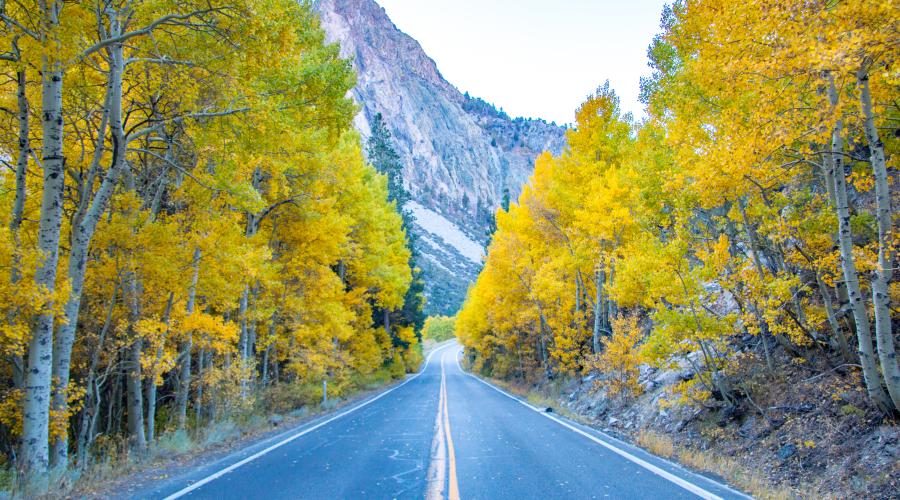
460 154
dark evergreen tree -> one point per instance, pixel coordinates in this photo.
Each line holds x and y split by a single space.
382 155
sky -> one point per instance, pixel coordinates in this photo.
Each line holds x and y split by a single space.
535 58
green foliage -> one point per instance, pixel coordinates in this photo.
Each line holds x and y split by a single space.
439 328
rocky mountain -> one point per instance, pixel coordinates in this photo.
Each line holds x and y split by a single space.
461 155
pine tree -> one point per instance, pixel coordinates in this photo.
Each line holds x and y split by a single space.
382 155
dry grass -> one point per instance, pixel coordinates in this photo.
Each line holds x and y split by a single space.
732 470
658 444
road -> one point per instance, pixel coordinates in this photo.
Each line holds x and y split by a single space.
441 434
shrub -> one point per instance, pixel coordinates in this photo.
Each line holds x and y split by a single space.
439 328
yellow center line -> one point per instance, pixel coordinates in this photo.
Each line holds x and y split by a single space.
453 493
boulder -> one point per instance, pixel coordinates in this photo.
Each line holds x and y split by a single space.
787 451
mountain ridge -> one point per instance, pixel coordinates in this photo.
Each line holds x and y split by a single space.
461 155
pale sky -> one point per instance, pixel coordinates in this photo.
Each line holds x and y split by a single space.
535 58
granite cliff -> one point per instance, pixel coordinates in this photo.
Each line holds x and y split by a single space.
460 154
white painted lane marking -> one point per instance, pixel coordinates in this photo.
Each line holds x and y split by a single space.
226 470
697 490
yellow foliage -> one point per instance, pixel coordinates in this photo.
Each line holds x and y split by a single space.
621 358
713 218
244 227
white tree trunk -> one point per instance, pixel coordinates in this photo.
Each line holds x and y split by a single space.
21 162
848 267
84 226
598 310
18 208
881 296
133 379
36 414
244 340
198 402
151 377
184 380
92 399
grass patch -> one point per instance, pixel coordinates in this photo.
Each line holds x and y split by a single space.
219 432
658 444
729 468
178 441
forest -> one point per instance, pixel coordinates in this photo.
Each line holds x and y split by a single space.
191 229
743 227
194 235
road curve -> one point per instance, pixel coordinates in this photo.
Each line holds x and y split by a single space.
441 434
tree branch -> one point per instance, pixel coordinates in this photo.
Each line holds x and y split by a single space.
168 19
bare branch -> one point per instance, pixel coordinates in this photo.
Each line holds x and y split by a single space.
172 164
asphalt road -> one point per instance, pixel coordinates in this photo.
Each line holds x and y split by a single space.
441 434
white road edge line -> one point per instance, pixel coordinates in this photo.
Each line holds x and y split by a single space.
226 470
693 488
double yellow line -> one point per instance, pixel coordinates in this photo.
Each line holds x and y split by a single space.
443 455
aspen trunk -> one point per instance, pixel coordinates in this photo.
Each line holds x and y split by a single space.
198 402
577 293
21 164
213 407
151 408
265 367
184 380
848 267
249 232
267 354
828 173
84 227
133 383
881 296
135 396
250 360
598 305
276 375
115 396
760 272
245 338
243 343
242 312
832 319
151 378
92 399
612 310
18 209
34 456
542 344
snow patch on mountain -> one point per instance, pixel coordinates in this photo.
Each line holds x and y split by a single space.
439 226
